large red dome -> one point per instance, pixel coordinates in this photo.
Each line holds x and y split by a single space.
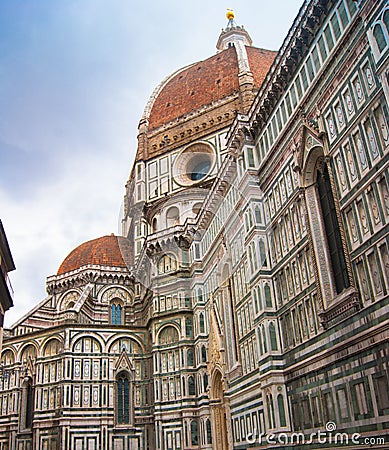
204 83
111 251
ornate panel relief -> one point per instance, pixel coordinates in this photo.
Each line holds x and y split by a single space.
116 292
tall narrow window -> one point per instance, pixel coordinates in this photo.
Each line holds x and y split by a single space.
209 431
116 314
202 323
123 398
281 410
203 354
332 231
188 327
194 432
190 358
273 337
191 386
27 405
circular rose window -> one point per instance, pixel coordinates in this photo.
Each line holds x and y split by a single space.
194 164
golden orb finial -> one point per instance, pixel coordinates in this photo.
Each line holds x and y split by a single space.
230 14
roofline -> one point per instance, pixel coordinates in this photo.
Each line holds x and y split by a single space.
5 250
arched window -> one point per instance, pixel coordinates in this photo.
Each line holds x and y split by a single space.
123 398
268 300
258 215
331 225
264 340
209 431
155 225
273 337
281 410
194 432
205 379
27 405
167 263
379 37
199 295
202 324
203 354
190 357
116 313
191 386
168 335
260 344
172 217
188 327
262 253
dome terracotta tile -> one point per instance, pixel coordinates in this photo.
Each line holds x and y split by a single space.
111 251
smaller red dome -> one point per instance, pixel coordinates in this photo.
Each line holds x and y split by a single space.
111 251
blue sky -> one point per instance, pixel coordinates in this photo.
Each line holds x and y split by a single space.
75 76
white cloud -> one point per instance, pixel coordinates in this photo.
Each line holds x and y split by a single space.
76 78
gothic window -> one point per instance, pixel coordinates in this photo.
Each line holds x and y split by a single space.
209 432
202 323
116 313
203 354
172 217
194 432
332 231
123 398
191 386
27 405
199 295
264 340
379 37
281 410
258 215
190 358
205 379
262 253
255 301
273 337
268 299
188 327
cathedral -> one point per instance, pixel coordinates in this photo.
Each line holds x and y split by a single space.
245 303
